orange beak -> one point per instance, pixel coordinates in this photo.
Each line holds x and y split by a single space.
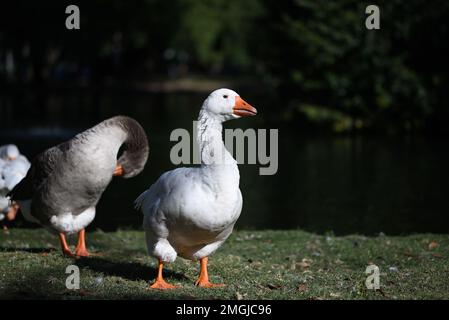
118 172
242 108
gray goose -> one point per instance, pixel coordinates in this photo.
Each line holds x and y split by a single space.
65 183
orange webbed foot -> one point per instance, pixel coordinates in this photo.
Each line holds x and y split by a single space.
161 285
82 253
203 278
81 249
204 283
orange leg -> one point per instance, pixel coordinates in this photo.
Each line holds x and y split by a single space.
160 283
118 172
81 250
203 279
65 248
12 212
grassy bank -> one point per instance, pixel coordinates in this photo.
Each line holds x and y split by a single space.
253 264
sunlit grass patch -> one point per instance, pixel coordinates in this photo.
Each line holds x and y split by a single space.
254 265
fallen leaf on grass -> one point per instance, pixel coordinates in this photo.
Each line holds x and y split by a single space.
437 255
382 292
52 280
254 264
304 264
273 286
302 287
433 245
334 295
83 293
410 254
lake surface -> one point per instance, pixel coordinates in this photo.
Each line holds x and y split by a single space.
337 184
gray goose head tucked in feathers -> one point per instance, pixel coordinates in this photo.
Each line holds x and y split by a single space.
70 178
135 148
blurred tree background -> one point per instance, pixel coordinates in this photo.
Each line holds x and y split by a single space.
315 59
361 113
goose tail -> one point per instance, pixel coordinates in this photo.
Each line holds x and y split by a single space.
140 199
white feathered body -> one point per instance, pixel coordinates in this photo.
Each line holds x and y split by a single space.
187 212
190 212
11 173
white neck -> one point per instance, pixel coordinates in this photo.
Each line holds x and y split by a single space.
210 142
213 153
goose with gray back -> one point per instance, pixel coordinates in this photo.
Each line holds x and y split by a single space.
65 182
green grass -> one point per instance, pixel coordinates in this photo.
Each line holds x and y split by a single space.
253 264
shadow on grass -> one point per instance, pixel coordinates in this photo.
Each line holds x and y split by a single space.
27 250
39 283
128 270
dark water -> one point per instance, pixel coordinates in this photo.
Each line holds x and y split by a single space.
346 185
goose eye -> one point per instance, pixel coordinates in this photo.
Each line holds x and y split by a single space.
225 96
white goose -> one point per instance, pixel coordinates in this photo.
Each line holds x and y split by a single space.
9 152
13 168
14 171
190 212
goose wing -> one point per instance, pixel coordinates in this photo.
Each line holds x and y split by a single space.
41 169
